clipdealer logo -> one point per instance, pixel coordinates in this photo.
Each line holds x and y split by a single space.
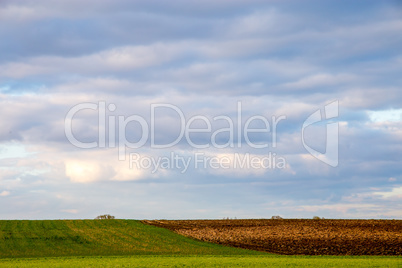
112 131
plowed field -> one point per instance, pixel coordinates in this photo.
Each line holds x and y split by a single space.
296 236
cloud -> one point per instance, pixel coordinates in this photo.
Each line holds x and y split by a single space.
235 164
338 208
394 193
71 211
115 59
19 13
100 166
5 193
278 58
387 115
320 80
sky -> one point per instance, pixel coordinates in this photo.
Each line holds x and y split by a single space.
200 109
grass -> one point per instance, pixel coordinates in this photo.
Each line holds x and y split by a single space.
129 243
55 238
206 261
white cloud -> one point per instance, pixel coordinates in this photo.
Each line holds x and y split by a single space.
369 98
103 165
71 211
5 193
394 193
20 70
339 208
114 59
393 115
30 11
320 80
87 171
239 164
259 23
20 13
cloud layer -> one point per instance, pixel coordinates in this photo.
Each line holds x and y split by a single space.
274 58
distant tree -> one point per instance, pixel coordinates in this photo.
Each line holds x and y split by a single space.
105 217
276 217
317 218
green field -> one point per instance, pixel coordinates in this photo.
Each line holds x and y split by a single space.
55 238
129 243
205 261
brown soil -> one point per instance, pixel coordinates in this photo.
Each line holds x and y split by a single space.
296 236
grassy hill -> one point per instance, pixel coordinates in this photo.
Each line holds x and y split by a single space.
52 238
130 243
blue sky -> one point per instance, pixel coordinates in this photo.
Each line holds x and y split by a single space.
274 58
